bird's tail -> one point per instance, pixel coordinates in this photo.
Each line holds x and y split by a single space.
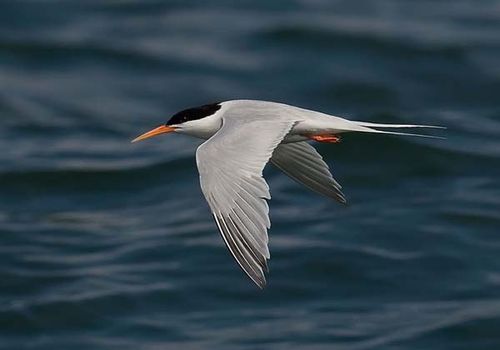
370 127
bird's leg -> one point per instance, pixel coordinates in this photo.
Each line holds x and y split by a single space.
325 138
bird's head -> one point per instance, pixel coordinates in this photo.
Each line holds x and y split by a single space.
189 121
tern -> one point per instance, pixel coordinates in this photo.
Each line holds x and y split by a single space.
242 136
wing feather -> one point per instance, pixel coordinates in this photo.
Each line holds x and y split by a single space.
305 165
230 164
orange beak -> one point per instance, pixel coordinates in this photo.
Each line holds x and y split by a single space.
164 129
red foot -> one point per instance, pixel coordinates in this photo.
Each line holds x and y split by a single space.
325 138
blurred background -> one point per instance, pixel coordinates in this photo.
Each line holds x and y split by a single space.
108 245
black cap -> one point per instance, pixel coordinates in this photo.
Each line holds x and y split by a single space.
194 113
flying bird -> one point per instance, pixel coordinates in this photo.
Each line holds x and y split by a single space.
242 136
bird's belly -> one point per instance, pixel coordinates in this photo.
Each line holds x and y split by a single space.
302 132
307 128
290 138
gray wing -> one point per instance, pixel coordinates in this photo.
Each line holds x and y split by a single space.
230 164
305 165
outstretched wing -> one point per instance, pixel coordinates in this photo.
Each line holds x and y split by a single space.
230 164
305 165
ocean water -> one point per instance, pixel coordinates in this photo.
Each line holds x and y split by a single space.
108 245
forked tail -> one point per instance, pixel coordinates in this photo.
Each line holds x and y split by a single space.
369 127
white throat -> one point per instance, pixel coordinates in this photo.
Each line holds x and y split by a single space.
203 128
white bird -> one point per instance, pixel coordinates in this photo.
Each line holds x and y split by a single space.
242 136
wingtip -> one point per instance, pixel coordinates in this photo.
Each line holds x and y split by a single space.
261 284
260 279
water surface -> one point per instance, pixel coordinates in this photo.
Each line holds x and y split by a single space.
106 245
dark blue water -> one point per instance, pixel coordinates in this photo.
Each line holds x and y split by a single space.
108 245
